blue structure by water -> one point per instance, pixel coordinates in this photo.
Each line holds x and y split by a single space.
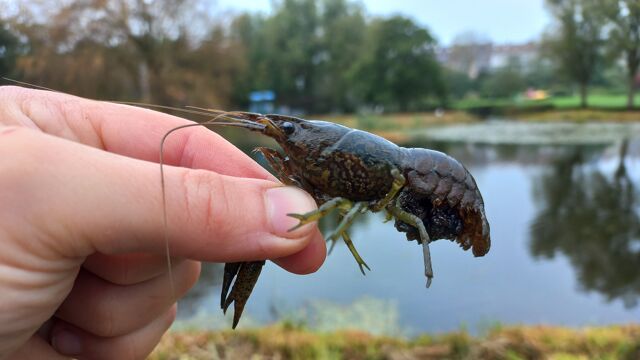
262 101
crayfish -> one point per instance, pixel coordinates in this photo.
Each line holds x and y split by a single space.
429 194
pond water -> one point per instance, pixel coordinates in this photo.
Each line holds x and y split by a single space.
565 228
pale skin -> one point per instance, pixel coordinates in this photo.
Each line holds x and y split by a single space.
83 272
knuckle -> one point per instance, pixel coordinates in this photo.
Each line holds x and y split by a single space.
23 152
105 326
206 201
11 92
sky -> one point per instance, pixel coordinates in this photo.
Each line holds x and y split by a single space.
502 21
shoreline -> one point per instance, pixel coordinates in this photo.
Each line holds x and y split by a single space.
289 341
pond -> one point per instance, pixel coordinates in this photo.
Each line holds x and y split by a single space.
565 227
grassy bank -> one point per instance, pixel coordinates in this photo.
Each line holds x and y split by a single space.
396 126
581 115
288 342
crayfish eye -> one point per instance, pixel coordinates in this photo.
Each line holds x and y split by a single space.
287 127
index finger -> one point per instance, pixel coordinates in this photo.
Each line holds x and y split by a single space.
126 130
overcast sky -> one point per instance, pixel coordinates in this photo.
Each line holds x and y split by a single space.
503 21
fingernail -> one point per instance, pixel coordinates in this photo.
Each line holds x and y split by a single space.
66 342
285 200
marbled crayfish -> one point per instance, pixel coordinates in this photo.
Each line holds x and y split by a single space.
429 194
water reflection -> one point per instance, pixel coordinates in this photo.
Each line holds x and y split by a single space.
591 218
564 219
206 287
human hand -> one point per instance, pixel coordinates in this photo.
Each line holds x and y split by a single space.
82 252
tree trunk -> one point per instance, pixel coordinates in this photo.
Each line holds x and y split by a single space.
631 92
583 96
143 82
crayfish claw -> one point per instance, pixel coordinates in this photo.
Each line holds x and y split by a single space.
300 217
230 272
321 212
246 277
306 218
303 220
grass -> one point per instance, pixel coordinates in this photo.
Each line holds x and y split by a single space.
396 127
594 100
284 341
605 101
602 107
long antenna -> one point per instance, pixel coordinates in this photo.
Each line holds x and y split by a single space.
27 84
238 117
165 222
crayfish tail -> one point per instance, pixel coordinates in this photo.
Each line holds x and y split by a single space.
246 274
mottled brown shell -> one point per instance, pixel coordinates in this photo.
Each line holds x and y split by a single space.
442 193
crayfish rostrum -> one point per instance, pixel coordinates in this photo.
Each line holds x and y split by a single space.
429 194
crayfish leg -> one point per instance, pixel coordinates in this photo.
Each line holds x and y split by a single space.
354 252
246 279
280 166
428 270
347 219
398 182
416 222
342 228
321 212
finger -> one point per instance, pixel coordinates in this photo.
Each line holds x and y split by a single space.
72 341
101 202
107 310
125 130
127 269
308 260
37 348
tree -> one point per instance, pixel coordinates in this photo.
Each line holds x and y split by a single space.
247 32
458 84
505 81
10 48
624 38
577 47
156 51
398 68
303 52
341 43
290 46
539 73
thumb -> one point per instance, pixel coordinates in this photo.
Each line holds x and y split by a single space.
91 200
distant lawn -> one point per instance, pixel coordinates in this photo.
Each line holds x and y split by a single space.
613 101
607 101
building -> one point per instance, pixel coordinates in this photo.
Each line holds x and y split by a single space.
474 58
